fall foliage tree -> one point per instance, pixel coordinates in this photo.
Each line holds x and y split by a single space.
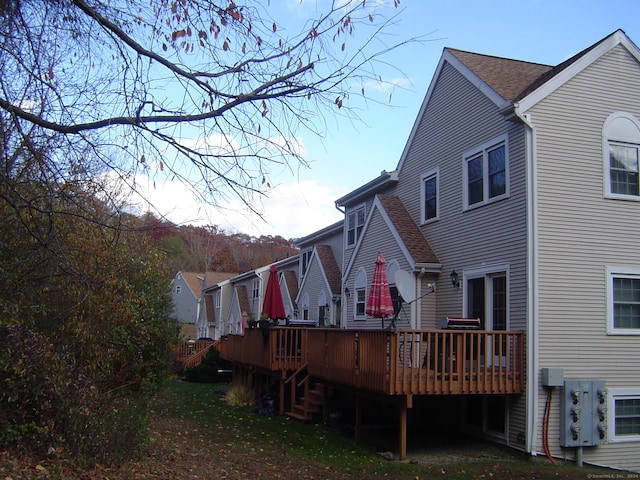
92 94
85 330
213 93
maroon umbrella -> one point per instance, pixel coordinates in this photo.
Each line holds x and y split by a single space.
379 304
273 306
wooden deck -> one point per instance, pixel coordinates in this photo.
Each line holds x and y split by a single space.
391 362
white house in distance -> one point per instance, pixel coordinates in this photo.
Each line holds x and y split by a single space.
517 199
186 289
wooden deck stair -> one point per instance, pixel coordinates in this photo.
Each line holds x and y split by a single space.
310 405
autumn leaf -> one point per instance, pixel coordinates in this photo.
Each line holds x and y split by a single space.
178 34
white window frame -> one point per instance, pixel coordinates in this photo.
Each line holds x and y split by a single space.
357 228
614 394
618 272
255 289
178 288
360 286
305 307
620 128
217 300
305 260
483 150
432 174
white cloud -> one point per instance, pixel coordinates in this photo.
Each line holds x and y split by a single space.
289 210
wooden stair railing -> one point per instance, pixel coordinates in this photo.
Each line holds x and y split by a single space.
190 354
313 400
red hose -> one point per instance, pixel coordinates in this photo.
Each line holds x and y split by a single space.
545 426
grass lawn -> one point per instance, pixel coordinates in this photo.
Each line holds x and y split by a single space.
195 434
272 437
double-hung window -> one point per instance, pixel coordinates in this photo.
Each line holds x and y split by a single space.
429 195
355 224
306 257
621 146
624 414
255 289
623 301
360 294
486 173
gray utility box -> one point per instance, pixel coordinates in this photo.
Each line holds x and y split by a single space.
583 413
552 377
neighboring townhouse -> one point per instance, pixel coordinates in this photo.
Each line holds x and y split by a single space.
226 301
319 297
186 289
515 202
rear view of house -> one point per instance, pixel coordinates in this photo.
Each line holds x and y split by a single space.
510 223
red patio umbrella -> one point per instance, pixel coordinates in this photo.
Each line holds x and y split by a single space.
273 306
379 304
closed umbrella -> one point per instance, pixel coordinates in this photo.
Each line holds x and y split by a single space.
273 306
379 304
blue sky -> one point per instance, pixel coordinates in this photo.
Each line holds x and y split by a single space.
350 154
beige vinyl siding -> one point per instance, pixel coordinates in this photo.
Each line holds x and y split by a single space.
580 234
376 238
314 283
347 252
458 119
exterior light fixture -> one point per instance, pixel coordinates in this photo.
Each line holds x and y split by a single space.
454 279
347 292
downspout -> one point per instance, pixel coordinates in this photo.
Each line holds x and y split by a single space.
532 282
418 305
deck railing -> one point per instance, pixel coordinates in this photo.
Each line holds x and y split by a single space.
278 348
401 362
191 352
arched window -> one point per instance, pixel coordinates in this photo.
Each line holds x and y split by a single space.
305 306
621 148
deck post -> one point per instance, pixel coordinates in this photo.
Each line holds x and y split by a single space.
358 417
281 394
403 428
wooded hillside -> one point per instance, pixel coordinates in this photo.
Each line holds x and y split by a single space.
210 248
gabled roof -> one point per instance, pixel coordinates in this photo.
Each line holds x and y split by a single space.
516 81
515 84
406 229
195 280
509 78
406 233
330 267
291 283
